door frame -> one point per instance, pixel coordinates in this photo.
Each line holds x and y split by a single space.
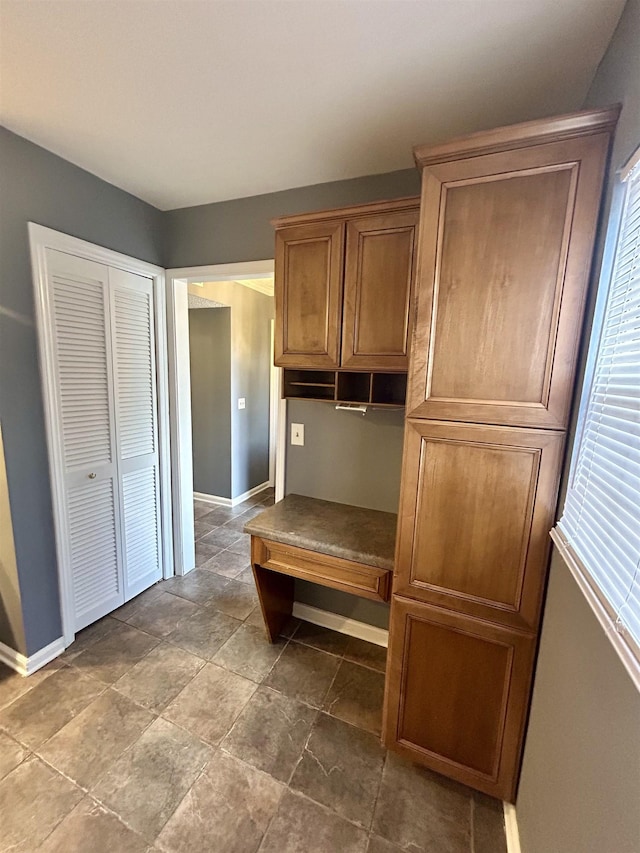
177 282
41 239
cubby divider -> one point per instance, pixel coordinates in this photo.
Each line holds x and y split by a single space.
346 386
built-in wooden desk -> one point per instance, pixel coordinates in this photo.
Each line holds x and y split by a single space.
336 545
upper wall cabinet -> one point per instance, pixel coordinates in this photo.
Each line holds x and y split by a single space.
343 283
308 292
506 244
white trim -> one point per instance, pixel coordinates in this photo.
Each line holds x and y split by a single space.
627 657
281 449
273 406
219 501
341 624
216 500
24 665
180 393
41 239
164 431
180 424
511 828
277 424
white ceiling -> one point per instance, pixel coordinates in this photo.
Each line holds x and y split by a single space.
183 102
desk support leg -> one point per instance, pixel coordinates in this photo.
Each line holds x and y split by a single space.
275 592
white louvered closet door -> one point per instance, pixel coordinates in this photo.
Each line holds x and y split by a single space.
79 310
132 324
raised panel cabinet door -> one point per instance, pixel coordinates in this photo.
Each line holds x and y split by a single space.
308 294
505 249
378 282
477 503
456 695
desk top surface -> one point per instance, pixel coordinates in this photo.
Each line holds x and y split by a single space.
363 535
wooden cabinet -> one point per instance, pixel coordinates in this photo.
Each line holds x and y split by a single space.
343 282
379 271
308 294
508 220
505 254
476 508
456 694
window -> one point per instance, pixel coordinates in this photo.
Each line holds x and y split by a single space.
599 532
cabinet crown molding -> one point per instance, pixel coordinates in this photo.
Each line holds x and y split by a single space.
524 135
355 211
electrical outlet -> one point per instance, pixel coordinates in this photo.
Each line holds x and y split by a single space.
242 403
297 434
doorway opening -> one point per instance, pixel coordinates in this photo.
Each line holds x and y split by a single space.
227 418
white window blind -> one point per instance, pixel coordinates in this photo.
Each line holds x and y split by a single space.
600 527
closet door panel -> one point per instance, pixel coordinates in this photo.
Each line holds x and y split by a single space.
137 431
476 508
505 250
78 290
141 511
93 550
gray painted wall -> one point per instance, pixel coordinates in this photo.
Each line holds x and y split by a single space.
239 230
38 186
348 458
580 784
251 314
210 359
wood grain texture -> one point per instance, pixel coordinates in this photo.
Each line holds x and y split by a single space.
378 283
324 569
476 507
525 134
456 695
352 212
507 226
275 592
308 295
504 256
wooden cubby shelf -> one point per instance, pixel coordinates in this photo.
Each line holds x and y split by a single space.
346 386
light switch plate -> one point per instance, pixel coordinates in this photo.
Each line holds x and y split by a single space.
297 434
242 403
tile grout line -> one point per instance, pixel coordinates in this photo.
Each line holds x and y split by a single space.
377 797
120 818
472 831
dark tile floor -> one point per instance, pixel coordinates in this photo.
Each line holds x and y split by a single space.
172 725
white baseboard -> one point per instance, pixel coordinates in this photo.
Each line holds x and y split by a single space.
218 501
255 491
341 624
211 499
511 828
24 665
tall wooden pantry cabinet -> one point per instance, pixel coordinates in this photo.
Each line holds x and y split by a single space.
507 226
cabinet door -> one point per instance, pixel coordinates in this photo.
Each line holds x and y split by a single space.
476 507
457 694
378 279
308 293
505 249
